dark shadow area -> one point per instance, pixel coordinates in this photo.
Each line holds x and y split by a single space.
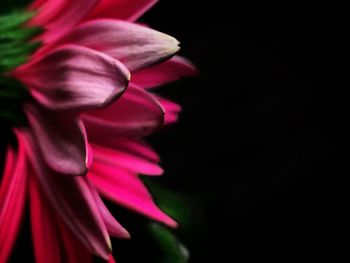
259 144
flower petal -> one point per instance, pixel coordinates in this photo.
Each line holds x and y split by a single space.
126 160
12 199
61 139
122 9
74 250
126 189
114 228
75 78
59 16
171 70
136 113
134 45
73 201
45 234
172 110
133 146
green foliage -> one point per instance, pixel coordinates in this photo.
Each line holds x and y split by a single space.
173 250
7 6
16 46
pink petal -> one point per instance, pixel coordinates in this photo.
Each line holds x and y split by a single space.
74 250
59 16
75 78
61 139
45 234
172 110
111 260
169 71
73 201
136 113
135 147
122 9
126 160
12 199
114 228
49 233
126 189
134 45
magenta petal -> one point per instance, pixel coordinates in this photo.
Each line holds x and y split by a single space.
73 201
111 260
136 113
74 250
59 16
172 110
134 45
75 78
49 232
12 199
61 139
122 9
133 146
126 160
126 189
114 228
171 70
45 234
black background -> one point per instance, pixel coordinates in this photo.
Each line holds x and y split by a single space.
263 126
258 146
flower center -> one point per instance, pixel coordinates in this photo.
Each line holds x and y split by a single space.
15 49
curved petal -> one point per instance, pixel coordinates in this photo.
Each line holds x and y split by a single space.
172 110
131 162
49 233
122 9
12 199
114 228
73 201
75 78
134 45
61 139
133 146
74 250
46 239
136 113
111 259
171 70
59 16
126 189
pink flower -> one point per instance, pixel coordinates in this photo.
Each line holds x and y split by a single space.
90 83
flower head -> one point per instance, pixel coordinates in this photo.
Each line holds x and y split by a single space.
88 104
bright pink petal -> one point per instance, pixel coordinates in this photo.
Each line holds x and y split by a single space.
50 235
135 46
171 70
126 189
12 199
73 201
61 139
46 239
122 9
59 16
135 147
75 78
136 113
111 260
134 163
172 110
114 228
